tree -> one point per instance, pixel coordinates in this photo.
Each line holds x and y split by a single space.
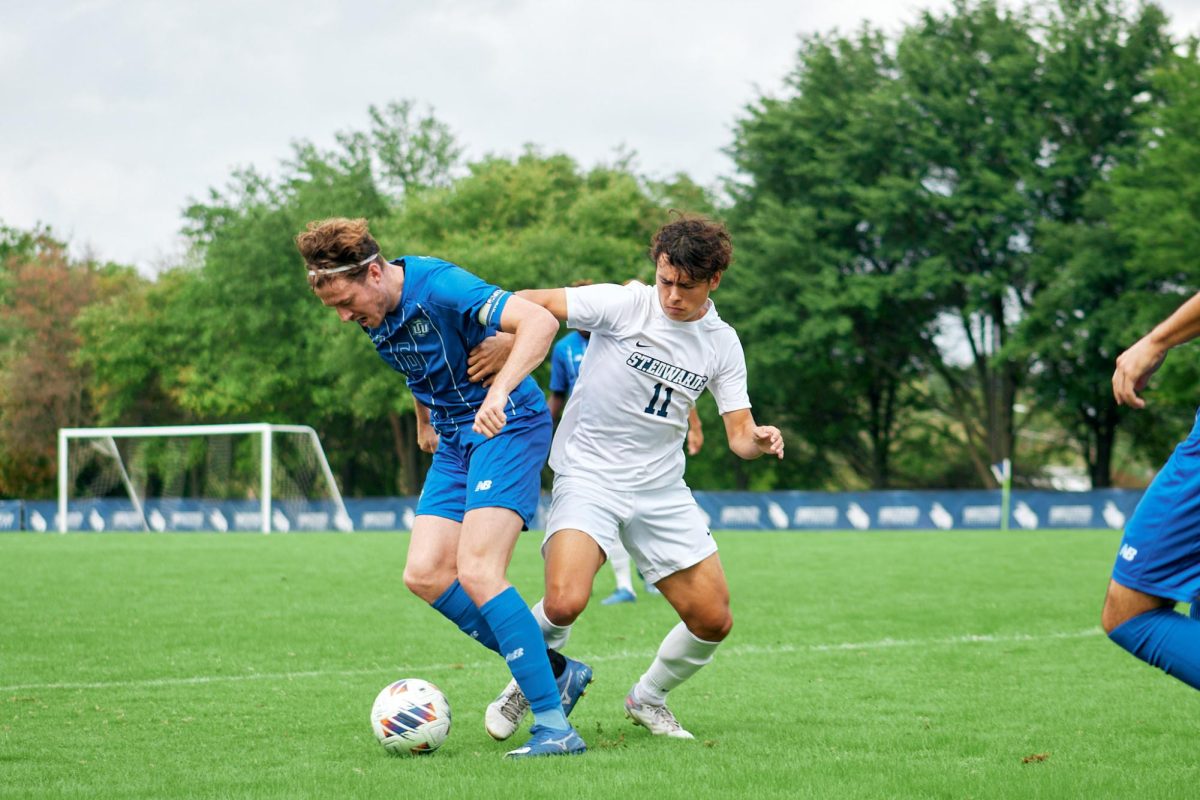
1098 90
1156 215
824 220
42 388
970 77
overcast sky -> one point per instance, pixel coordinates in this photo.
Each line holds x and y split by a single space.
114 113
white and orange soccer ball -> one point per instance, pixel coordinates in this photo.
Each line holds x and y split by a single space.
411 717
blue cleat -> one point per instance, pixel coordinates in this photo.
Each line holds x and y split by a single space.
619 596
549 742
505 713
573 683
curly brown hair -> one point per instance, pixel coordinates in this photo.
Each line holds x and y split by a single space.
698 246
328 244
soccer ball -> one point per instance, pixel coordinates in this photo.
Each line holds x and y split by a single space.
411 717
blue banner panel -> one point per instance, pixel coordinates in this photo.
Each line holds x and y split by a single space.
801 511
382 513
180 515
11 515
915 510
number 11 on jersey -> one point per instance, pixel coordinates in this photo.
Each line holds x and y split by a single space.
662 412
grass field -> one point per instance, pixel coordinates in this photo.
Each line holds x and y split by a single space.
872 665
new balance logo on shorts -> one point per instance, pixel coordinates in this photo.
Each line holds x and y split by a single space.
1128 553
514 655
483 486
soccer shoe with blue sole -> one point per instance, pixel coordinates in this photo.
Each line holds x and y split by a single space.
657 719
504 714
619 596
545 741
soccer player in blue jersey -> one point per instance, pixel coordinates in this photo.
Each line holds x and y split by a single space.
424 315
1158 563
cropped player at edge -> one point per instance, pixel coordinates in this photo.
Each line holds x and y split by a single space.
424 315
618 458
1158 563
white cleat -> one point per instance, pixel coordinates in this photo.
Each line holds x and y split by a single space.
657 719
504 714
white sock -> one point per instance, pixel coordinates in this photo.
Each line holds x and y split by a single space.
556 636
680 656
619 558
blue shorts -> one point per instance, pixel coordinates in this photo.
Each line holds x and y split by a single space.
472 471
1160 553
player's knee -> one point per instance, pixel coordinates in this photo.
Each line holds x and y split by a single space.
425 582
711 626
563 607
480 584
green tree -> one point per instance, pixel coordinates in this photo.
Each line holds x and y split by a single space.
1098 65
830 301
970 78
1156 215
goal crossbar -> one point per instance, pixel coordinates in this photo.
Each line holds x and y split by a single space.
264 429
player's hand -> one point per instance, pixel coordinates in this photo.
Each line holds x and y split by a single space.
491 417
488 358
769 440
427 438
695 440
1134 368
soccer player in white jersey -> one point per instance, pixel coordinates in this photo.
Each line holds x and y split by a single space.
618 458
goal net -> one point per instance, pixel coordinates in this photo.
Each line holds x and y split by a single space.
219 477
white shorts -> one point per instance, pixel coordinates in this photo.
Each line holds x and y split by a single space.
663 529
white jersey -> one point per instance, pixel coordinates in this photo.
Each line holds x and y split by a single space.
626 419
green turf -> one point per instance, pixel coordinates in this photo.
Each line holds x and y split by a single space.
871 665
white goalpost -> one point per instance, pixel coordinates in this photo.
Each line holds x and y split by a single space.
239 462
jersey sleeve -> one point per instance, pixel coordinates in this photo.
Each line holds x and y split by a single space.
729 383
603 307
469 295
558 368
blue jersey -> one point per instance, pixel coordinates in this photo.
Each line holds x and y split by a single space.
1160 552
444 312
565 360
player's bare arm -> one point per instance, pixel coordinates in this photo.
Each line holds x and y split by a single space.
695 434
748 439
1139 362
490 355
533 331
427 436
553 300
556 402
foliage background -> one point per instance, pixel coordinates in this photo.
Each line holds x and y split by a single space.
944 237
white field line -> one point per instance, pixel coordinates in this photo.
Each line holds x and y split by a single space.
644 655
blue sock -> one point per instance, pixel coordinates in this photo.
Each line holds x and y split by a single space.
524 650
1194 611
456 606
1166 639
